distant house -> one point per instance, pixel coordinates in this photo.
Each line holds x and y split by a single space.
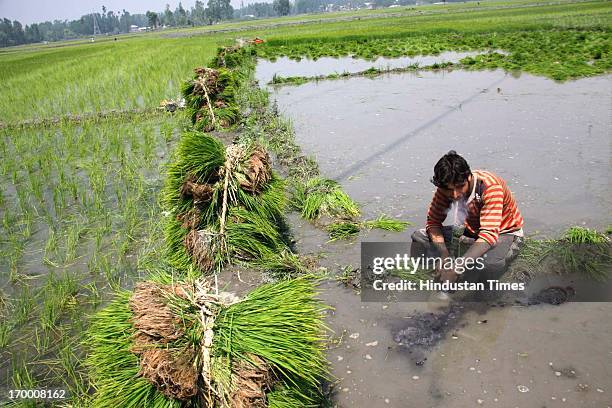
133 28
141 29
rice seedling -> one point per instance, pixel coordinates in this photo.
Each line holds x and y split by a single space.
210 98
349 276
347 229
343 230
22 376
582 235
386 223
73 379
270 341
579 251
5 332
285 265
221 203
42 340
57 296
410 275
319 196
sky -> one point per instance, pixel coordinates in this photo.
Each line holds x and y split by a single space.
37 11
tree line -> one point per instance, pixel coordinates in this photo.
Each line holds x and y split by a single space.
115 22
112 22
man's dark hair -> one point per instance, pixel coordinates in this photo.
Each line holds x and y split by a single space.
450 169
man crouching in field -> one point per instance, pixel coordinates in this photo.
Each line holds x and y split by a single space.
493 223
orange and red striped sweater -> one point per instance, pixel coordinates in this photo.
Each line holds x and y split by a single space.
488 215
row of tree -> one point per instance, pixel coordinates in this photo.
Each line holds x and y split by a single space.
216 10
115 22
275 9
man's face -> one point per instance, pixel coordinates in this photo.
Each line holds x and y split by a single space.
457 191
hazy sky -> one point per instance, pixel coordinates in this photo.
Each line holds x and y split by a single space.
36 11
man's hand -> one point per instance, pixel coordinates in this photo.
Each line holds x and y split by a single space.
447 275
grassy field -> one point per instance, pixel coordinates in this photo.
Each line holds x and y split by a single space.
79 204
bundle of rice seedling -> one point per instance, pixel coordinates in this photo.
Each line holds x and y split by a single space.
231 56
346 229
386 223
171 345
580 250
210 98
221 203
319 196
583 235
343 230
286 264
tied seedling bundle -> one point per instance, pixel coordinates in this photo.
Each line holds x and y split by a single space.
232 57
186 345
222 203
210 98
319 196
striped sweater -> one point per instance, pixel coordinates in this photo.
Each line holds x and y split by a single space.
494 213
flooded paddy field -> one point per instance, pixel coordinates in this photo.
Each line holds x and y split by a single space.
284 66
380 139
78 210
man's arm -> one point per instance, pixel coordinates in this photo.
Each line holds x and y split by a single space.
490 222
435 216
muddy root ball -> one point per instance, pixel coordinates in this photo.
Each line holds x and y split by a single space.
152 318
190 219
207 79
252 381
258 171
200 246
171 372
200 192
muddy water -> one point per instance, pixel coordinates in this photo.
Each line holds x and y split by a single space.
285 66
380 139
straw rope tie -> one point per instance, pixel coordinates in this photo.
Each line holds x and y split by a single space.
233 155
201 82
209 304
